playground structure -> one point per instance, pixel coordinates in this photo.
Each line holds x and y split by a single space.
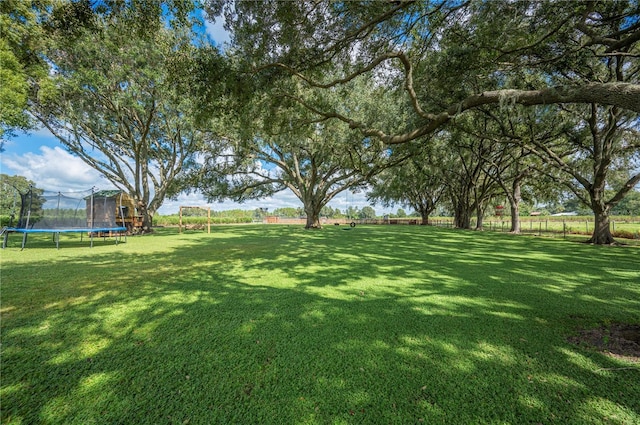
187 212
107 213
113 206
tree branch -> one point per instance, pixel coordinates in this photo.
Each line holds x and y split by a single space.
623 95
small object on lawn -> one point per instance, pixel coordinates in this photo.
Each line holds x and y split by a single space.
352 224
336 224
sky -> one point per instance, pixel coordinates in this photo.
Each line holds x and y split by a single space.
39 157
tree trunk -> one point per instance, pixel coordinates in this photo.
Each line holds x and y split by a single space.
462 217
147 222
514 203
313 222
147 217
313 215
515 217
424 209
480 217
602 230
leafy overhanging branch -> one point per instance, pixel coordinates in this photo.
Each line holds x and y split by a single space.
623 95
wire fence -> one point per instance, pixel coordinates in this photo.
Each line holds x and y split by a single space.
628 227
621 227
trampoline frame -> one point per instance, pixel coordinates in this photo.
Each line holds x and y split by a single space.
56 234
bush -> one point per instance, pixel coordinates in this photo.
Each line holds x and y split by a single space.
5 220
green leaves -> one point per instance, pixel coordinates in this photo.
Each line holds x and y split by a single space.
13 91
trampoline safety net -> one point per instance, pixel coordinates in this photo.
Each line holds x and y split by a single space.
93 212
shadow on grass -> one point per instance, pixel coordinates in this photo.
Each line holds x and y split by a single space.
280 325
80 240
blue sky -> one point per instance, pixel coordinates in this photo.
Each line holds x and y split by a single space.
39 157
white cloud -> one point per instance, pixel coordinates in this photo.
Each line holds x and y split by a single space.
55 169
216 31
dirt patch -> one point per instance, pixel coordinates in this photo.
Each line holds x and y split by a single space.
617 340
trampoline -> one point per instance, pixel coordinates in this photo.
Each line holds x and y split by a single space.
96 214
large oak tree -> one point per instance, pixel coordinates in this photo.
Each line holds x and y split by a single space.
113 102
276 147
598 160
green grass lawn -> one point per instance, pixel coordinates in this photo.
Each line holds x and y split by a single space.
277 325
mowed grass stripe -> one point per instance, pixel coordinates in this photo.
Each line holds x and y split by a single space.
274 324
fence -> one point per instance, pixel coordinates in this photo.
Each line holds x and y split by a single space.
628 227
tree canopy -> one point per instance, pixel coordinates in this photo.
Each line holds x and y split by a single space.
22 40
446 56
113 102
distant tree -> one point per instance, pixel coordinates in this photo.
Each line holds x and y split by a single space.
260 213
367 212
238 213
329 212
336 213
287 212
575 205
352 212
417 182
11 187
16 194
630 205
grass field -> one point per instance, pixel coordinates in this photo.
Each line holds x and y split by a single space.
276 325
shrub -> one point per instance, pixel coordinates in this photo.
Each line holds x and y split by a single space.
4 220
